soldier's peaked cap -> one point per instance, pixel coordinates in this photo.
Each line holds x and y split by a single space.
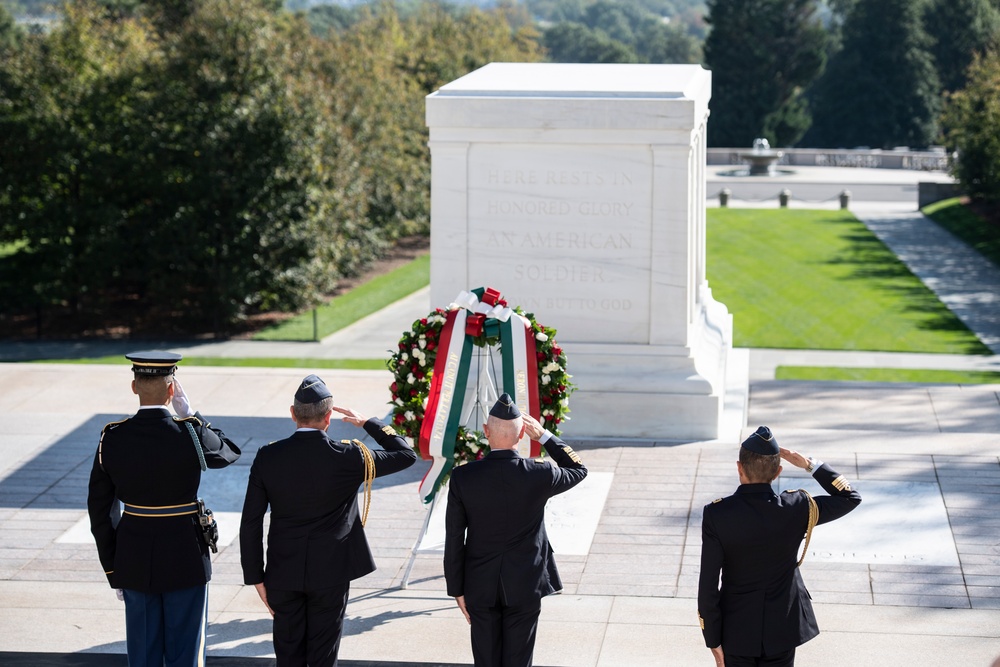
312 390
762 441
153 362
505 408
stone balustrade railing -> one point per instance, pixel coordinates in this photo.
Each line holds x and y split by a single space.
931 160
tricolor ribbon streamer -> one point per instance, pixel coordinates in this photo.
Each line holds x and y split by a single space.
472 314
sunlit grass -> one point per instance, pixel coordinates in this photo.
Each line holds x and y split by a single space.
828 373
363 300
250 362
963 222
821 280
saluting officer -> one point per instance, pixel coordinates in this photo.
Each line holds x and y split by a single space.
763 611
156 554
316 543
498 563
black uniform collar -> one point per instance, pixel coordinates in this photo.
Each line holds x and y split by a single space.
156 412
755 488
504 454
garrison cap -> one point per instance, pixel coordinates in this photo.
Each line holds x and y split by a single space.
153 362
312 390
505 408
762 441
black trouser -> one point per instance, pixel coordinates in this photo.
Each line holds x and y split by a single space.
785 659
504 635
308 625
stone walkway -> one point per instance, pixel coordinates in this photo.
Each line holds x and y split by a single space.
912 577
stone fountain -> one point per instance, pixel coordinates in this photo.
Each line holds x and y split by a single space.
761 158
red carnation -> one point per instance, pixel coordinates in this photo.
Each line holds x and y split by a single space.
540 355
556 350
419 374
430 345
399 419
423 321
413 392
393 387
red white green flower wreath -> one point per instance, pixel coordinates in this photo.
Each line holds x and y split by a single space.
412 367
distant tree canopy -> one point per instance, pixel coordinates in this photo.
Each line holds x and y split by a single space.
610 31
763 55
231 164
960 29
881 89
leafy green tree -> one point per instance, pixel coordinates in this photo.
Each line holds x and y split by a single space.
972 127
658 42
324 18
881 89
382 70
64 102
576 43
763 54
960 29
10 34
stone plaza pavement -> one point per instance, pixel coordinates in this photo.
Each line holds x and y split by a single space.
912 577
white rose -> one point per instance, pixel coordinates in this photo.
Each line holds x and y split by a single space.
408 415
399 401
410 379
546 379
541 337
423 342
474 448
404 356
423 362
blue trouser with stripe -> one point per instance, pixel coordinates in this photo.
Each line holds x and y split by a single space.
166 629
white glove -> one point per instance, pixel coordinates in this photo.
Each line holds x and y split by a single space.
180 402
120 594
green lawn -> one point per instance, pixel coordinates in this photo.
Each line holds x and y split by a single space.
964 223
827 373
264 362
348 308
804 279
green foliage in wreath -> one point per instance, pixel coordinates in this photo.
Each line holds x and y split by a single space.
413 365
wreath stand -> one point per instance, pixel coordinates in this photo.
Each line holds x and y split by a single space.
435 538
430 541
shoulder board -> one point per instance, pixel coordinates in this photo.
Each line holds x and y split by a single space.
794 491
192 418
111 425
352 442
717 500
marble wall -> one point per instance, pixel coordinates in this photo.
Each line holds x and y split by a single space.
578 191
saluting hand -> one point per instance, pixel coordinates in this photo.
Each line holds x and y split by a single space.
351 416
532 427
180 402
793 457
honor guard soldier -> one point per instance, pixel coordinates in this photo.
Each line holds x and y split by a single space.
498 563
157 554
763 611
316 542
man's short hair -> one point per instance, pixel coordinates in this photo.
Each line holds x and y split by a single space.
153 381
310 413
759 468
505 430
152 387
